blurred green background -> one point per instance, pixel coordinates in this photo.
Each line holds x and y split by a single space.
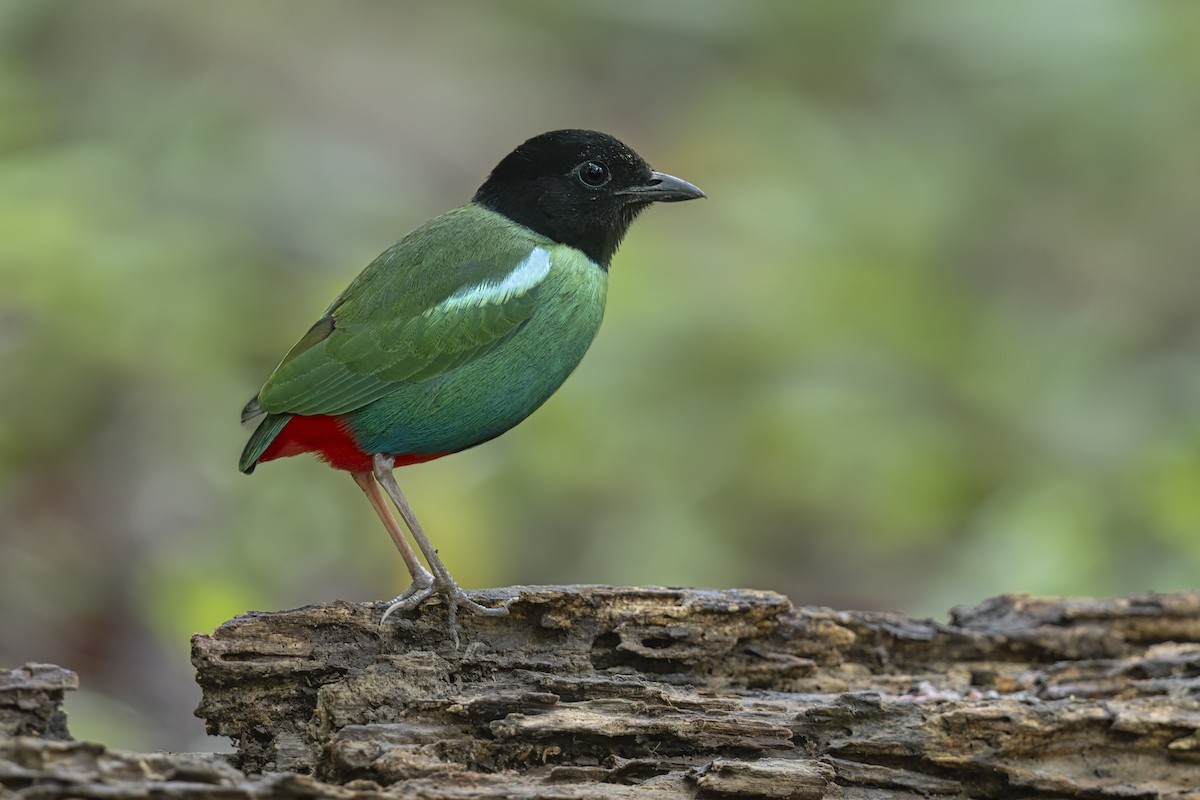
934 336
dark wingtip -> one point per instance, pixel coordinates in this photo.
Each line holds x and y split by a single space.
261 439
251 410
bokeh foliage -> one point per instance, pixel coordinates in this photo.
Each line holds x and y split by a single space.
934 335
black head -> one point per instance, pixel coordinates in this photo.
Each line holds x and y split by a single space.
579 188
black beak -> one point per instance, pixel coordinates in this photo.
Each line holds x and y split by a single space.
661 188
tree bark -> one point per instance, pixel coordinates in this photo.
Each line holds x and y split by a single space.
599 692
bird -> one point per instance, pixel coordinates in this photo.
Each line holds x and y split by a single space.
459 331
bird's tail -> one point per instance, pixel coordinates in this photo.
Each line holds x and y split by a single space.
261 439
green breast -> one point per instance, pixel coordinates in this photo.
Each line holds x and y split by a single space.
490 394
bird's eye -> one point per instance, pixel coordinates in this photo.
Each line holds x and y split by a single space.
594 174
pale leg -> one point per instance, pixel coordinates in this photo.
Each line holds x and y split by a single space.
443 583
421 577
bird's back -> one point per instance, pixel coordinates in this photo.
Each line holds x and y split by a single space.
486 396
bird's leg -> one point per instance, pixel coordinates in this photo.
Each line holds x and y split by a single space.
443 583
421 577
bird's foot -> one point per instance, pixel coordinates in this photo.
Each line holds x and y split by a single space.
418 590
456 598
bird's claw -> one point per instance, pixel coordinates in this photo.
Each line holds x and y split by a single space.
407 601
420 588
456 598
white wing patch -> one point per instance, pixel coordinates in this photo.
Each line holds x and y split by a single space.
528 274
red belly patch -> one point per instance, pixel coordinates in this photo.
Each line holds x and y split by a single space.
329 438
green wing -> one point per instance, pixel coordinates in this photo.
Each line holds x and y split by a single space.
446 294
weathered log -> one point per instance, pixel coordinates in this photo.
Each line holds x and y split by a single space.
591 692
31 701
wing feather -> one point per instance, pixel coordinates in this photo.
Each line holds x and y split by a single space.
354 357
